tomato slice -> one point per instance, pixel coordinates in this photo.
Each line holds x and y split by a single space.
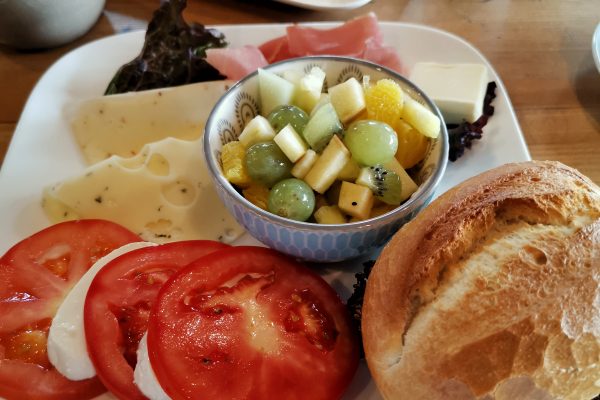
35 276
118 304
250 323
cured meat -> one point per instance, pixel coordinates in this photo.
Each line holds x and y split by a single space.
276 49
360 37
347 39
236 63
383 55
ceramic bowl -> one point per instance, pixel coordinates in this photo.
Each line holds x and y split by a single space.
306 240
38 24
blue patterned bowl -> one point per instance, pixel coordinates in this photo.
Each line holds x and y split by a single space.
305 240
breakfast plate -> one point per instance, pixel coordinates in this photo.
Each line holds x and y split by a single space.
326 4
43 151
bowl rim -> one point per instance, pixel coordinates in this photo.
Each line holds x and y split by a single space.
423 192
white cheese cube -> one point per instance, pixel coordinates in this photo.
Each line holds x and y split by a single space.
291 143
457 89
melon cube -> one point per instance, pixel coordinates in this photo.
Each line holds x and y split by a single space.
309 88
273 91
348 99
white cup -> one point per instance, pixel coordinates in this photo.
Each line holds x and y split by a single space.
31 24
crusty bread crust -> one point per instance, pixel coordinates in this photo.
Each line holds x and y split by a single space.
492 292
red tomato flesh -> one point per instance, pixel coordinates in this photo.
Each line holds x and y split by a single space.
250 323
35 276
118 304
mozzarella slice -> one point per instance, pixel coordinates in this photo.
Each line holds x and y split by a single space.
122 124
164 194
67 349
144 376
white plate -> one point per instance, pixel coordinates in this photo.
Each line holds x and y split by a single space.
43 152
326 4
596 46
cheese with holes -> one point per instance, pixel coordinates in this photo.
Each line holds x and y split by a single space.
164 194
457 89
122 124
67 348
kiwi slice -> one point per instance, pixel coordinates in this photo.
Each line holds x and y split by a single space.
385 184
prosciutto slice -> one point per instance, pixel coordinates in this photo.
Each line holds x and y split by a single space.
236 63
276 49
359 37
345 40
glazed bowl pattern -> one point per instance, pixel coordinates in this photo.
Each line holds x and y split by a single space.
306 240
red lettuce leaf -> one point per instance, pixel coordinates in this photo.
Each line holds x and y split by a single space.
462 135
173 54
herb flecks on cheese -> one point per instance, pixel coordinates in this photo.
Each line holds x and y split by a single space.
164 194
122 124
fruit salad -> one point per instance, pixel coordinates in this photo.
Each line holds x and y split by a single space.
329 158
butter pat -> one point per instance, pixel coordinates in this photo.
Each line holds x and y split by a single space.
457 89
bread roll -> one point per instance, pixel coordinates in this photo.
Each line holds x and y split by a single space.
492 292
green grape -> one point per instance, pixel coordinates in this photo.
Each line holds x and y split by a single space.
371 142
293 199
286 114
267 164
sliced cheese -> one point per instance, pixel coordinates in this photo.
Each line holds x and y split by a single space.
164 194
457 89
122 124
67 349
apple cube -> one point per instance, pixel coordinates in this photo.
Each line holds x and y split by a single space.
257 130
291 143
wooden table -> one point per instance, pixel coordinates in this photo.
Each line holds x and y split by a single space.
541 50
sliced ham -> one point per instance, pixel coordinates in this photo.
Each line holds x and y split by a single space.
360 37
383 55
276 49
347 39
236 63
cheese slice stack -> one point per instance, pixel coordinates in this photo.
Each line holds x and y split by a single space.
163 194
